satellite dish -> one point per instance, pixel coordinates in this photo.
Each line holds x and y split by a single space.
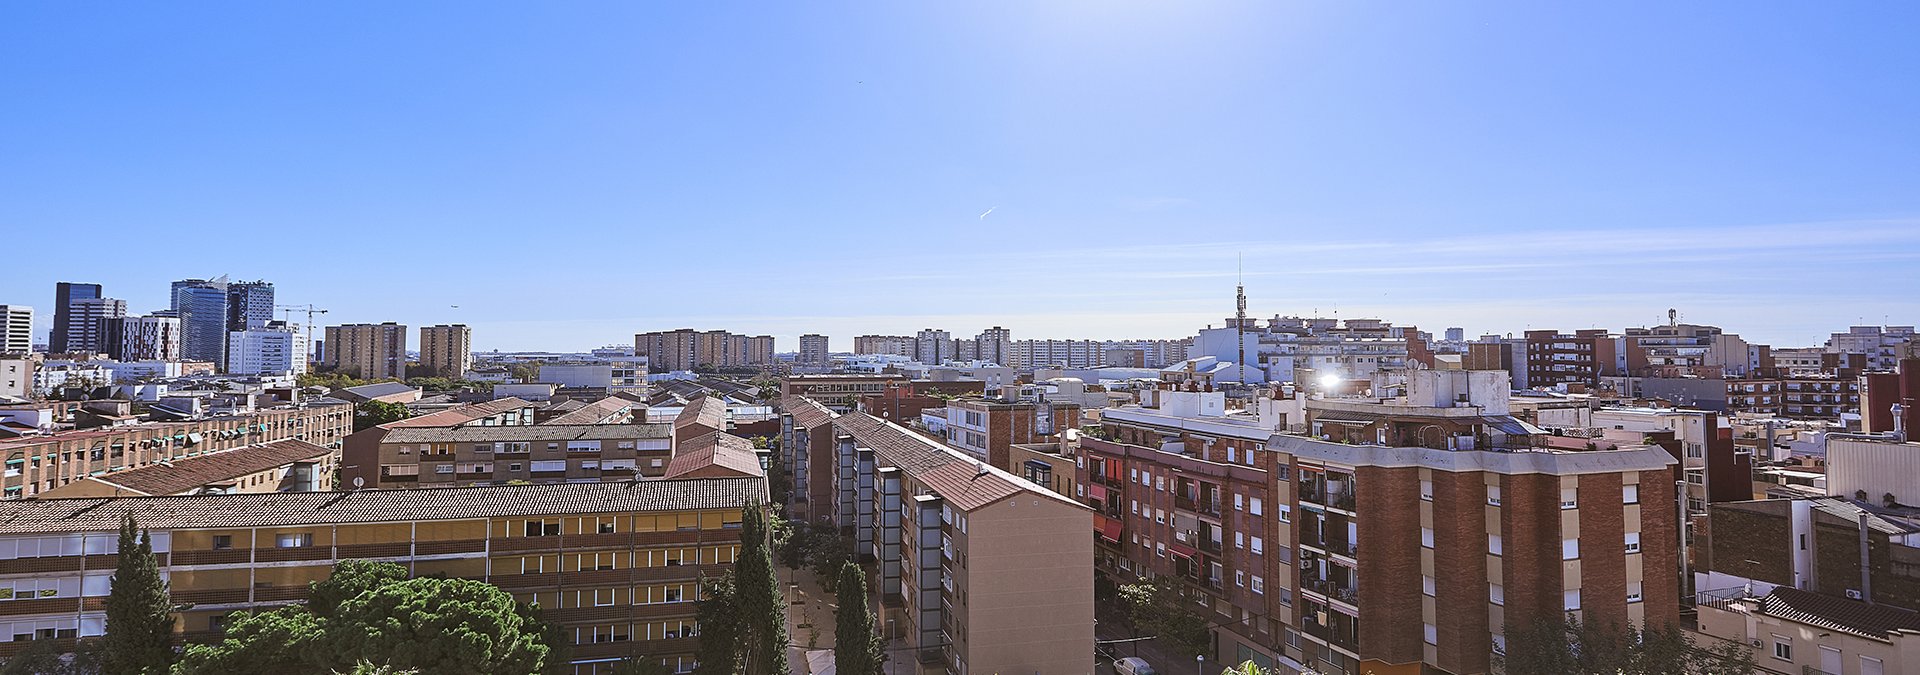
359 482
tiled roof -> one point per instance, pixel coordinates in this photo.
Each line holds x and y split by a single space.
716 449
1837 613
537 432
595 412
961 480
706 411
806 412
461 415
272 509
182 475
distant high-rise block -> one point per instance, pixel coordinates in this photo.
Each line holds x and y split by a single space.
447 350
16 329
813 349
202 307
86 323
687 349
249 305
272 348
368 351
142 338
64 294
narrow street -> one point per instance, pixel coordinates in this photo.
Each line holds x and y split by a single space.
1115 641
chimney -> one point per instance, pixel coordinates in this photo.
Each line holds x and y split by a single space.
1899 423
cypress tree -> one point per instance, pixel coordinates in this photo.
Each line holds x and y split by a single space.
856 646
763 609
139 613
720 629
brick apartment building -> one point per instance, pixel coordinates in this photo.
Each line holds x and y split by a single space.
987 428
36 464
495 442
616 566
280 466
367 351
1559 358
1342 555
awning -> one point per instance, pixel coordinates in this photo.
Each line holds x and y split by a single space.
1183 550
1110 529
1350 420
1512 426
193 438
1097 492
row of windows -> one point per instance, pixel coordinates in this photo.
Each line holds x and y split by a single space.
620 560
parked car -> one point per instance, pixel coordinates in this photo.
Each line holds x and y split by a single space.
1132 665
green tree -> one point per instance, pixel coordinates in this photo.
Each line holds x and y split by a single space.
826 552
438 626
1160 607
857 649
720 627
40 657
139 612
763 609
1568 646
641 665
350 578
285 640
371 414
1248 668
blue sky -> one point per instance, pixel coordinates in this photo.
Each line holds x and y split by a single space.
571 173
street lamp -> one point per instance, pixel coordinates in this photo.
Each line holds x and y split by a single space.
1200 664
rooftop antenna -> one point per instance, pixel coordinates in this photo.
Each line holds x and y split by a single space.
1240 313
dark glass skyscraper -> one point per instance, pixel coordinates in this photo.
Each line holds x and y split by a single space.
202 305
64 294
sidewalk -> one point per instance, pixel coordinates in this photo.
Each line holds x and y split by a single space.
809 617
1164 662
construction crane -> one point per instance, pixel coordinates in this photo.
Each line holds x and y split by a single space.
287 311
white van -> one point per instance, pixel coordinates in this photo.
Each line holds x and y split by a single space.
1132 665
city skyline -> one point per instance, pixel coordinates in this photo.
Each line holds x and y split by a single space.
1067 170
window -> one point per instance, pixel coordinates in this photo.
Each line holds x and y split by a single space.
1136 506
1432 633
1571 600
295 540
1426 490
1285 512
443 468
1260 585
1782 648
222 542
1239 540
1160 516
1569 498
1259 546
1238 504
1493 544
1499 643
1493 495
1570 549
1160 483
1630 494
1160 549
1497 594
1633 542
1253 505
1133 475
1426 537
1633 591
1426 585
1283 473
1240 578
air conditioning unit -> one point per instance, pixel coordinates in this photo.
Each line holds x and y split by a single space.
1853 594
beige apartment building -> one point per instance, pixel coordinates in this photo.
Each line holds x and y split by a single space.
687 349
446 350
975 569
281 466
367 351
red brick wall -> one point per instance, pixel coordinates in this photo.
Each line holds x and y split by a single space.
1659 546
1460 557
1603 567
1390 598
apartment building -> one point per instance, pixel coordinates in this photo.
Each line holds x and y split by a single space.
1295 349
465 453
1818 545
1883 346
687 349
976 569
203 307
1337 548
280 466
933 347
446 350
1556 358
988 428
837 389
141 338
616 566
1890 400
368 351
1682 349
1794 632
895 345
814 350
16 329
1033 354
273 347
37 464
807 455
